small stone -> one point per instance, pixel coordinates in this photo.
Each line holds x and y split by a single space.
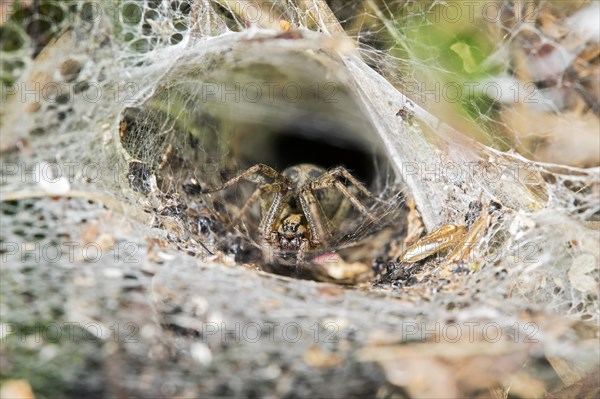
70 70
201 354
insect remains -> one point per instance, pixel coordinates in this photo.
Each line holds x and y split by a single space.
460 238
301 207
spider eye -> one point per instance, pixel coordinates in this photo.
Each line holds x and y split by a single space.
290 228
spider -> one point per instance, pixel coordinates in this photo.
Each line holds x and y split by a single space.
306 201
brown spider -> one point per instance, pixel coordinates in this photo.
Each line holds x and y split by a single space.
305 198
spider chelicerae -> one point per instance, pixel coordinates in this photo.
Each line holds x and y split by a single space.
301 205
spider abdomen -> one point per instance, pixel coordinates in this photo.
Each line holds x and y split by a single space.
301 174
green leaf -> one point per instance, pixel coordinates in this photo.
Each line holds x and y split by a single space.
463 50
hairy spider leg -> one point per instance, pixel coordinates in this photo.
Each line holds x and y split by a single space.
302 250
340 171
309 205
268 221
330 179
280 185
277 188
254 170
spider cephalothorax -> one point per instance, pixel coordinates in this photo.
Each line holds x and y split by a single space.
300 206
291 234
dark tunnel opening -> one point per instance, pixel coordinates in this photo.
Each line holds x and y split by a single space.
293 149
318 141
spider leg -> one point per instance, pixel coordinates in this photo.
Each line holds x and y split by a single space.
309 205
340 171
253 170
302 250
330 179
268 220
265 188
344 190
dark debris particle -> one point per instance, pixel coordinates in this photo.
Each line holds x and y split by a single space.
139 177
38 131
63 98
298 272
549 178
181 330
351 335
495 206
501 273
219 207
460 269
412 281
405 272
205 225
192 187
80 87
473 212
406 114
240 249
379 266
173 209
